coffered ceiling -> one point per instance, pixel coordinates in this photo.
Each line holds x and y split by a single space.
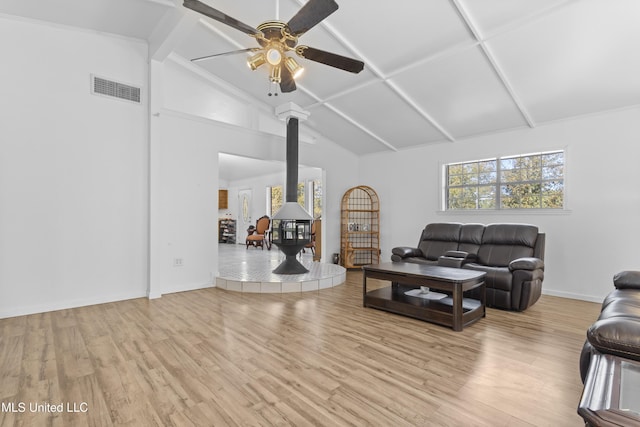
436 70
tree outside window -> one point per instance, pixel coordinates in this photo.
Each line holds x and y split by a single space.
532 181
317 198
301 193
277 198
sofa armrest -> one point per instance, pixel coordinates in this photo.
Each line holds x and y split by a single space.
627 280
527 263
618 335
456 259
406 252
457 254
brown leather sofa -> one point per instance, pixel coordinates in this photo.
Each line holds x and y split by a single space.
512 255
617 330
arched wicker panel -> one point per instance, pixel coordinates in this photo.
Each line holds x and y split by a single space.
360 227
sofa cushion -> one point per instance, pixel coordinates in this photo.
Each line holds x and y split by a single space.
502 243
498 277
438 238
471 238
628 295
621 307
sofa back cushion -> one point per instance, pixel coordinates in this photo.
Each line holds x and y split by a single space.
471 238
502 243
438 238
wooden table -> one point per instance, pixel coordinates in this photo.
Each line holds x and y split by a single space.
455 312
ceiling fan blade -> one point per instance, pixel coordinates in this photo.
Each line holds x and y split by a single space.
310 15
287 83
212 13
330 59
233 52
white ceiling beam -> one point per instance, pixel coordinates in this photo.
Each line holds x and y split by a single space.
361 127
342 93
526 19
380 75
450 51
494 63
508 86
348 118
498 69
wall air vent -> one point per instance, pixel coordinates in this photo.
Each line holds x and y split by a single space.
106 87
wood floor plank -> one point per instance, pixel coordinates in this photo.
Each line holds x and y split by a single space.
11 355
220 358
80 391
71 353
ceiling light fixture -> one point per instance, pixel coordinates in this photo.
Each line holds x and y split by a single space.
274 56
276 76
293 66
256 60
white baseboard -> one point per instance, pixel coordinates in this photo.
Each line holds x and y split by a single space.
193 287
581 297
63 305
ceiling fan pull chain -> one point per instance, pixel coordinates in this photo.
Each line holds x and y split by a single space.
271 86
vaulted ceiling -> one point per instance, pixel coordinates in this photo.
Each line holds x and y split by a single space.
436 70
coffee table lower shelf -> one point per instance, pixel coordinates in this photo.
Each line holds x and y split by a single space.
407 276
393 299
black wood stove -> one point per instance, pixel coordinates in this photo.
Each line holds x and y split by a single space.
291 225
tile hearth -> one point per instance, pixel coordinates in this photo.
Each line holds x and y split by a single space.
250 270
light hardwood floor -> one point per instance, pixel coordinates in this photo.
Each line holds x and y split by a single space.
214 357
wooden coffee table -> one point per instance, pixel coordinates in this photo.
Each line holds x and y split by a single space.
455 312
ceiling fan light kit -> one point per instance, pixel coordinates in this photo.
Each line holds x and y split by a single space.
294 68
275 75
276 38
256 60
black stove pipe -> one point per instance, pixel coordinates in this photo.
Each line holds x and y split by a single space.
292 160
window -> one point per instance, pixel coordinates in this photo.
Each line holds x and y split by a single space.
316 186
300 194
531 181
309 196
276 198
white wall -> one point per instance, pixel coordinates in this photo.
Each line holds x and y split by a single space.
586 245
73 170
186 209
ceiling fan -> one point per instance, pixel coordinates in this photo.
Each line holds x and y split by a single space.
277 38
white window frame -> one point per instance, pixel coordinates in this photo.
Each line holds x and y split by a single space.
444 187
